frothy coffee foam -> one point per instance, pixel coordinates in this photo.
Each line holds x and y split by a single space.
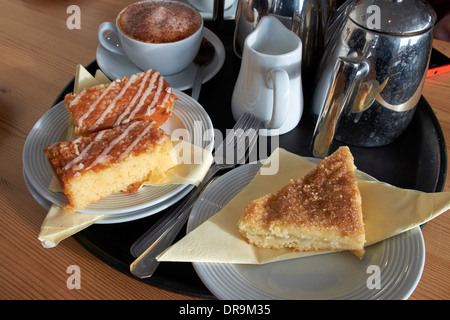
159 21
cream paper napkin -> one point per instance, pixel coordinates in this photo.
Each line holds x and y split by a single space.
387 210
58 225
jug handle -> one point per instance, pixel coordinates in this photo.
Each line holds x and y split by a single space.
347 76
278 80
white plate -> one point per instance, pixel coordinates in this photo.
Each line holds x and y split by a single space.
330 276
116 66
52 127
116 218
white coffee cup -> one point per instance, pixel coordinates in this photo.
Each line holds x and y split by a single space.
167 58
269 81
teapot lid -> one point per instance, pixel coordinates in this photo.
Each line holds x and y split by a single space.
394 16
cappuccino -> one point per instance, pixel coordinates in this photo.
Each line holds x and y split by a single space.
159 21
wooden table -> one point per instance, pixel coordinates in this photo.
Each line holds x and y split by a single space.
38 57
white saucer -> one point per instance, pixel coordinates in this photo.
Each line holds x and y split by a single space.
116 66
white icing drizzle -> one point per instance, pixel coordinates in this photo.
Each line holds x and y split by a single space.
77 98
138 101
167 95
146 93
150 108
105 152
80 156
120 119
135 142
92 106
130 81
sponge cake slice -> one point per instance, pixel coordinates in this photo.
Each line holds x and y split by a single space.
320 212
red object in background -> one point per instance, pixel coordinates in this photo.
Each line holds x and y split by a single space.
439 63
438 70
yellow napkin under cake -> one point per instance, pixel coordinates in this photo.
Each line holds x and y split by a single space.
387 210
59 225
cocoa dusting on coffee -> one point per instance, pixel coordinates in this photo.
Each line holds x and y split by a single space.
159 21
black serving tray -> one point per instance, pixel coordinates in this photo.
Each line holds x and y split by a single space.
416 160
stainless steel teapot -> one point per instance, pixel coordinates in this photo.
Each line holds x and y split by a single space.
372 72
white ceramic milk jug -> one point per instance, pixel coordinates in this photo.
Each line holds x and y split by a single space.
269 81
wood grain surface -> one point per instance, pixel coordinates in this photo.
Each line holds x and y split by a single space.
38 57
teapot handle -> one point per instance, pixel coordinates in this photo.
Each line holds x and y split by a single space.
347 77
278 80
337 20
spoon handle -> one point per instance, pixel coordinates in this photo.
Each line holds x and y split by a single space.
197 83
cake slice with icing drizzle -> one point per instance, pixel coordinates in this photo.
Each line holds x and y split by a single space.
92 167
142 96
